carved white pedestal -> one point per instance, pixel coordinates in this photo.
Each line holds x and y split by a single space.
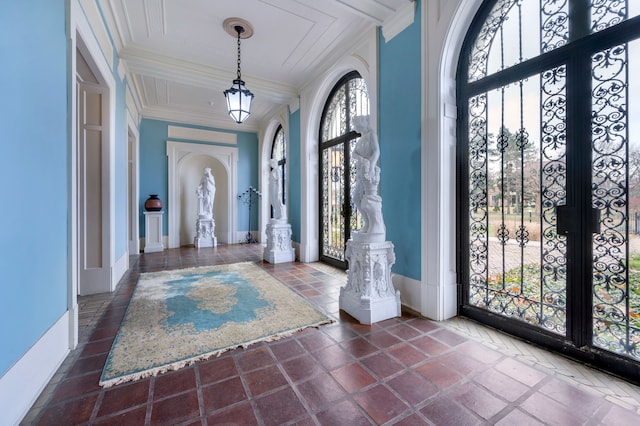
279 248
153 232
369 295
205 232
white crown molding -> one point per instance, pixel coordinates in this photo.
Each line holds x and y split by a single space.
212 136
153 64
112 24
401 19
178 116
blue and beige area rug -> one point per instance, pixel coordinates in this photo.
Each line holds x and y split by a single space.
178 317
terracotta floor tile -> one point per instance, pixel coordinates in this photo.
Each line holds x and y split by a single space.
333 357
88 364
424 325
176 409
520 418
382 365
135 416
358 347
240 414
253 359
462 363
280 407
123 397
572 397
406 370
440 375
504 386
264 380
383 339
313 340
174 382
320 391
97 347
406 354
73 412
403 331
380 404
444 411
412 387
429 345
549 411
519 371
412 420
479 400
619 416
449 337
77 386
217 369
353 377
223 394
344 413
479 352
287 349
302 368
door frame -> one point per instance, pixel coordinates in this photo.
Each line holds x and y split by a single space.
577 342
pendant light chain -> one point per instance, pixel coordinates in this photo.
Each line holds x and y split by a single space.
240 30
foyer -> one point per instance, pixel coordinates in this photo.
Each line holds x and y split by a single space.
404 371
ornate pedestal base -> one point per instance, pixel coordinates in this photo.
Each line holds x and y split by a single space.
369 295
278 249
205 227
153 232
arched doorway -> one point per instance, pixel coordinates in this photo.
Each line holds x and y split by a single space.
349 98
548 175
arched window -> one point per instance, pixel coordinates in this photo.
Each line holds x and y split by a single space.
549 174
349 98
279 153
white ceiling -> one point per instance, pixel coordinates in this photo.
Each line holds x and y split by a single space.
181 59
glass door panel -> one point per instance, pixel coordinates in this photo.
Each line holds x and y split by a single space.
517 178
616 198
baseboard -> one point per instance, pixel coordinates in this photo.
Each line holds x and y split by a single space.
23 383
119 269
409 291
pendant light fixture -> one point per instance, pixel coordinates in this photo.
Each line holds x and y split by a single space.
238 96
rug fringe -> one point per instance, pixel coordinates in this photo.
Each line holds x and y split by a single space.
203 357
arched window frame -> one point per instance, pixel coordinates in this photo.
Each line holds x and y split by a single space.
571 48
341 135
279 153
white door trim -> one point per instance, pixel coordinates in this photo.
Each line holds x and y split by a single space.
228 156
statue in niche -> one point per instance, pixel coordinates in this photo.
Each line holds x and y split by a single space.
206 193
275 191
365 195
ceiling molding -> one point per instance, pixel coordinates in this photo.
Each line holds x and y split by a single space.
141 61
400 20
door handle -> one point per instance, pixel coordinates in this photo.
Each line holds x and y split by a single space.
566 219
563 219
595 220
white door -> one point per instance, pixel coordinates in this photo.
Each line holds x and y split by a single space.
93 190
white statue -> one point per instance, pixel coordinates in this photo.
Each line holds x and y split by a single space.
365 195
206 193
275 191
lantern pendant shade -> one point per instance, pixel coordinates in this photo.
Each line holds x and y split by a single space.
238 101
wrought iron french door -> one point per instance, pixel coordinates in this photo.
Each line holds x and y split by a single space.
337 174
549 176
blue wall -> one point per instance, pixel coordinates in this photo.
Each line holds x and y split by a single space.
33 173
399 134
295 190
154 166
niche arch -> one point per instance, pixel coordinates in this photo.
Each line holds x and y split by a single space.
186 163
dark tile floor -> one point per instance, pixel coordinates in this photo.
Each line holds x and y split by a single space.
405 371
